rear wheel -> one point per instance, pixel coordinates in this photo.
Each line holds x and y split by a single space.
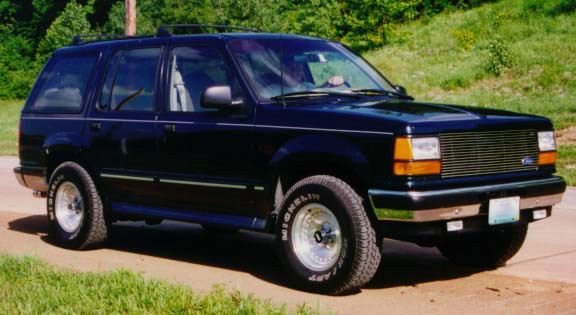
75 210
489 249
325 236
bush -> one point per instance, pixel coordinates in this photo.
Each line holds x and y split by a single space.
499 57
71 22
551 7
16 64
464 38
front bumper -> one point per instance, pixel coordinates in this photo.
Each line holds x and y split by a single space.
465 202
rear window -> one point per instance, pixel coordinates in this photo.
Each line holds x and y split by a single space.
62 84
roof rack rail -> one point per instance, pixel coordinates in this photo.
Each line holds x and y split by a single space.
163 32
79 39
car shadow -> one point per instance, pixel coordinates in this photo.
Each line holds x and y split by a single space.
403 264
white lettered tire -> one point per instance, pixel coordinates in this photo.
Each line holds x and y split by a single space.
75 210
325 237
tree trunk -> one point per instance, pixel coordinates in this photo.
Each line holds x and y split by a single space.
130 17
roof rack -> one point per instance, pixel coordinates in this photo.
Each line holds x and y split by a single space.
79 39
163 32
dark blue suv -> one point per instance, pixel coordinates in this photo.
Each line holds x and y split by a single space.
282 134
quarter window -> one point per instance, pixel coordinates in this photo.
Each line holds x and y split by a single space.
130 80
63 83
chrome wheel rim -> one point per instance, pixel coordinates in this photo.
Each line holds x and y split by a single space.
69 207
316 237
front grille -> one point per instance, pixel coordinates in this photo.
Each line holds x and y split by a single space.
488 152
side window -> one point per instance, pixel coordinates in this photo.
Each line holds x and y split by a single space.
62 84
130 80
261 62
193 70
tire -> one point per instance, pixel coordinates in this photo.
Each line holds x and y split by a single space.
75 209
338 208
487 250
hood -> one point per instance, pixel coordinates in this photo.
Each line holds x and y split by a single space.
419 117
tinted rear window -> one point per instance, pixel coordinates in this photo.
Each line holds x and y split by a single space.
62 84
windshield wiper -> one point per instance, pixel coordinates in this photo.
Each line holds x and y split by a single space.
382 92
305 94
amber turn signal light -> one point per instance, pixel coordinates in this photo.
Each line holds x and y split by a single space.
403 149
546 158
417 168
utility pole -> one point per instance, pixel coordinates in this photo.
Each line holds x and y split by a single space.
130 17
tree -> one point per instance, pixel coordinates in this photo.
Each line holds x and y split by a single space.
71 22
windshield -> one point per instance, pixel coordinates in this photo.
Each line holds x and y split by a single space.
285 67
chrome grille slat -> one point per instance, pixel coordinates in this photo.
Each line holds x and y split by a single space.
488 152
474 133
465 143
495 159
484 169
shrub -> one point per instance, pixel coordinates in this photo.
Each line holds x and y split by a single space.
499 57
71 22
464 38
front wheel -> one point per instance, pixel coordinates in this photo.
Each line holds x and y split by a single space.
490 249
325 236
75 210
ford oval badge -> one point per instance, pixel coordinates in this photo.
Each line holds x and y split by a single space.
527 161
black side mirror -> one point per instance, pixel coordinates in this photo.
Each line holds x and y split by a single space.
219 97
400 89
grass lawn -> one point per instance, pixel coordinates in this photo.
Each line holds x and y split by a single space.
9 115
567 163
29 286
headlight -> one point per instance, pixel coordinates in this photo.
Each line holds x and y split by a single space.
425 148
417 156
546 141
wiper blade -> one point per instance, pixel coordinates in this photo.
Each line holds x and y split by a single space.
382 92
305 94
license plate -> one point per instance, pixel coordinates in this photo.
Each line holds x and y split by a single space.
504 210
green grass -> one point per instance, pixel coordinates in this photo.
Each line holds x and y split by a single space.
567 163
447 58
29 286
9 115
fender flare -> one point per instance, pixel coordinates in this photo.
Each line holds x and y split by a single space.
339 151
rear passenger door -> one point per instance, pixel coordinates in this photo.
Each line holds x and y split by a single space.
207 154
122 124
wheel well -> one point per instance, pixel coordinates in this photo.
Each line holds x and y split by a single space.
297 169
55 158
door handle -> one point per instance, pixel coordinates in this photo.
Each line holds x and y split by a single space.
95 126
170 128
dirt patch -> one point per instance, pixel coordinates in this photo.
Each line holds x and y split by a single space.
566 136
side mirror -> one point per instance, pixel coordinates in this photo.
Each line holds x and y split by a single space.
219 97
400 89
